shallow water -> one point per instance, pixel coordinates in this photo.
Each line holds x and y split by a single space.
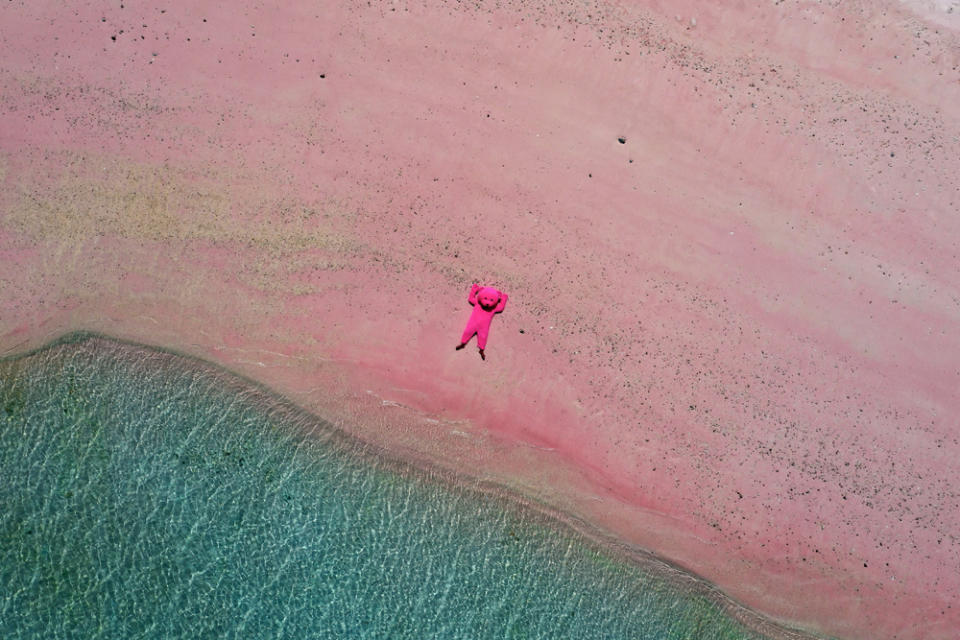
148 495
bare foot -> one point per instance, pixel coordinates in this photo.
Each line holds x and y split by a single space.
461 345
482 356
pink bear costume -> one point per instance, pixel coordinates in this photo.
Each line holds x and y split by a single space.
486 302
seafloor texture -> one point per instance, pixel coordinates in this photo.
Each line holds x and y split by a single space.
149 496
729 231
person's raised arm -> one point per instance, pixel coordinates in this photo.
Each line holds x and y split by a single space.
473 293
502 304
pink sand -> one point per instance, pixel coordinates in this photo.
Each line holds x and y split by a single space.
732 339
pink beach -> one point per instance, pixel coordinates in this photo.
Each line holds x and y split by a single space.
729 233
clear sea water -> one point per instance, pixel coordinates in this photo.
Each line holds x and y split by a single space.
149 495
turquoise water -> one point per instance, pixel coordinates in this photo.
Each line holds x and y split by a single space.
148 495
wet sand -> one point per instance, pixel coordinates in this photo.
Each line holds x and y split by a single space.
731 337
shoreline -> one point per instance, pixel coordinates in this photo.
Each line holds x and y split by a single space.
310 425
506 458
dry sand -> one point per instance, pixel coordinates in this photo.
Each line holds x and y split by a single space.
732 337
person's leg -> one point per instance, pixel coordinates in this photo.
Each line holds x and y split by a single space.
467 334
482 333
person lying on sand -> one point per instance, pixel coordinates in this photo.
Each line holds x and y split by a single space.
486 302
